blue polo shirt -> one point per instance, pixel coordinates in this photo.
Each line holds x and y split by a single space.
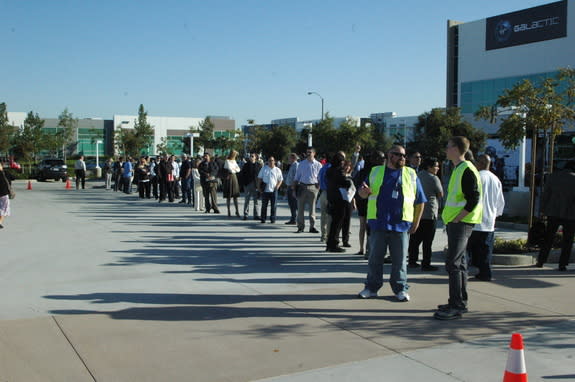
389 209
322 176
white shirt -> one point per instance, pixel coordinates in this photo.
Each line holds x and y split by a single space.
175 169
232 166
493 201
271 177
80 165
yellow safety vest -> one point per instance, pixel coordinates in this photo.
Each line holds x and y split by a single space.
456 200
408 189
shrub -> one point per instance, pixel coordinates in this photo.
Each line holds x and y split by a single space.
510 246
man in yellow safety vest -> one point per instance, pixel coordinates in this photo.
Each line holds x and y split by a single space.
462 211
394 208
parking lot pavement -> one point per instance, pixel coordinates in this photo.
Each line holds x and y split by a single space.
102 286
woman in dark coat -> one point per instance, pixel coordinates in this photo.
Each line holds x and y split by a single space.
337 181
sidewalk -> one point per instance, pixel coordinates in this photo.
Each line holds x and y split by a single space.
102 286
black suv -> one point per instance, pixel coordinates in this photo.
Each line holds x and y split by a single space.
52 169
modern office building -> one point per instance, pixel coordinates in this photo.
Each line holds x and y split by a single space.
487 56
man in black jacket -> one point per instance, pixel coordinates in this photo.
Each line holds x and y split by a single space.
248 177
558 205
208 177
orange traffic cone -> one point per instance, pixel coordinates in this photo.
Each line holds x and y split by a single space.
29 185
515 370
68 185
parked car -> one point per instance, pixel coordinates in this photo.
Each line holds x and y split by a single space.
52 169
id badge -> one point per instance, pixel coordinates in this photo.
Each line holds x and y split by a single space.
394 194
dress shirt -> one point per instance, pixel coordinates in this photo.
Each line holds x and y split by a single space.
307 172
493 201
290 177
271 177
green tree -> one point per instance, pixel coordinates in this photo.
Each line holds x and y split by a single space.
258 136
279 142
6 130
162 147
377 141
540 108
143 133
323 137
30 139
434 129
206 138
65 136
348 135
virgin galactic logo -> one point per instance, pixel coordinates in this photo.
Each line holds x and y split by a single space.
503 31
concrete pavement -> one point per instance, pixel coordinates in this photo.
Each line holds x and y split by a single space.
102 286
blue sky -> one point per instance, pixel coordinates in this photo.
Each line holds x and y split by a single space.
244 59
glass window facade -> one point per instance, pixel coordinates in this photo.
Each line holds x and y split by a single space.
475 94
87 142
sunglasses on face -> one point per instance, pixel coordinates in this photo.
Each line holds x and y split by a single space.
398 154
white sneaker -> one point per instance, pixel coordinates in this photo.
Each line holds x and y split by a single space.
402 296
366 293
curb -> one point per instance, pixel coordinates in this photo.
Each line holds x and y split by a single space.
516 259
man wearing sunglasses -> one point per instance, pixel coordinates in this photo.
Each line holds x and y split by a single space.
394 208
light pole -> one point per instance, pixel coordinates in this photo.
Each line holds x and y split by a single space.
98 169
192 136
317 94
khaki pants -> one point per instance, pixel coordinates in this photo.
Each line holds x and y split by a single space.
307 195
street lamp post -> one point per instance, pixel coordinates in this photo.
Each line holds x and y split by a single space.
98 169
192 136
317 94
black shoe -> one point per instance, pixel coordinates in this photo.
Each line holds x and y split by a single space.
257 218
335 249
449 314
429 268
262 221
300 230
346 245
445 307
539 265
216 211
291 222
360 253
479 277
313 230
245 218
413 265
207 211
386 259
562 268
181 202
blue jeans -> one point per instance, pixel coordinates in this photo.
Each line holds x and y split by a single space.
397 242
480 250
187 190
271 198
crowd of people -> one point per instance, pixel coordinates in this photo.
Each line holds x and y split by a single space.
398 198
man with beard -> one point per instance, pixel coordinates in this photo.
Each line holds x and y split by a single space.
394 208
